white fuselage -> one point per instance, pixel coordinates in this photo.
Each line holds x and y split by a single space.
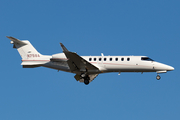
86 68
111 64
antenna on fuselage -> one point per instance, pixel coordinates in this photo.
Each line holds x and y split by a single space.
102 54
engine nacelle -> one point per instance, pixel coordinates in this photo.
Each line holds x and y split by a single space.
59 57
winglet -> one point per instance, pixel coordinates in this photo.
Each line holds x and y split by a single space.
14 40
64 48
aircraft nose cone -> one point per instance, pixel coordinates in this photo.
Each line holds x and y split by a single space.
170 68
163 67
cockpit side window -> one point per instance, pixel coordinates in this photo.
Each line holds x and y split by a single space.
146 59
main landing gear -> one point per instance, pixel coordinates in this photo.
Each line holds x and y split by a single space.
158 77
86 82
86 79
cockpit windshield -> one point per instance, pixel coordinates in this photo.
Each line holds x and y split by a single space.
146 59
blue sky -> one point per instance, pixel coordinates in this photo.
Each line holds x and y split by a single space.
93 27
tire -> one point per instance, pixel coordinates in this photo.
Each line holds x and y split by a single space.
86 82
158 77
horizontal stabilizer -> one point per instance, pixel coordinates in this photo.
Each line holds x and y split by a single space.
14 40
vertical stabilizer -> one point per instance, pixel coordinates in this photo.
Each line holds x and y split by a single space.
25 49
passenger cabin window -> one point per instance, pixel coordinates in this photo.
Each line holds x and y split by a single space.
146 59
104 59
122 59
94 59
128 59
110 59
116 59
99 59
90 59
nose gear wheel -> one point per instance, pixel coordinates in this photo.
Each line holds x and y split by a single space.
158 77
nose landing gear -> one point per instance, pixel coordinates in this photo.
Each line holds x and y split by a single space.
158 77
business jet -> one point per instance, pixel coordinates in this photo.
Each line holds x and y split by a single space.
86 68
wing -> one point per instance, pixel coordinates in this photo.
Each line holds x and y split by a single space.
77 63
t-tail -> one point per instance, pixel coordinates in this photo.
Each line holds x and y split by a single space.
30 56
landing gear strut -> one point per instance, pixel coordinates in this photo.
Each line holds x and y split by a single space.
158 77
